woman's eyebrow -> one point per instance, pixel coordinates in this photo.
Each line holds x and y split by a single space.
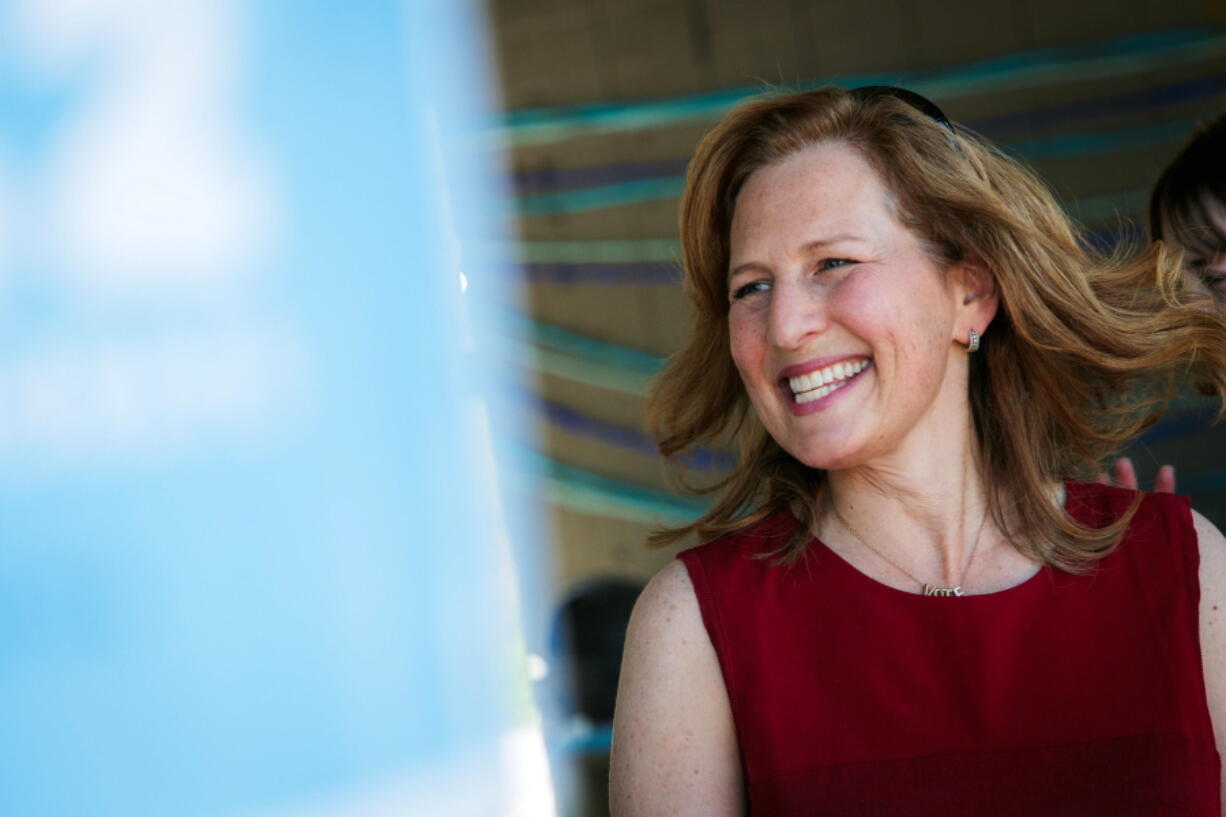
748 265
807 247
834 239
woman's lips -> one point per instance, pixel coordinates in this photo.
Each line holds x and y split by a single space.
818 383
820 387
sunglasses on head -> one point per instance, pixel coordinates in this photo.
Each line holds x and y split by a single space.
920 103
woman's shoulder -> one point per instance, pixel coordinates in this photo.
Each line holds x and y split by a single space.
750 545
672 718
1211 547
1095 504
736 569
1166 540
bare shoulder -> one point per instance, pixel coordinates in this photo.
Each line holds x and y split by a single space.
1211 540
1213 622
1212 546
666 642
668 603
674 744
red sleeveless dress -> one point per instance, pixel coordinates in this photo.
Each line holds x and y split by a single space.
1065 695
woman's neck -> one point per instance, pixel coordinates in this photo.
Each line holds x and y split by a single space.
923 506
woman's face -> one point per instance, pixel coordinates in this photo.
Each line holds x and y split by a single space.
1205 272
847 336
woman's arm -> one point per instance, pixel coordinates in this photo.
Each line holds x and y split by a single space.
1213 628
674 744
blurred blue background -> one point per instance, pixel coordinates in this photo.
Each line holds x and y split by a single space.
252 557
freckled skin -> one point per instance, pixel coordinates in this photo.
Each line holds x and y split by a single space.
890 303
872 293
672 713
868 291
1212 576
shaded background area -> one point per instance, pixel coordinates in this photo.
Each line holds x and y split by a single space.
605 102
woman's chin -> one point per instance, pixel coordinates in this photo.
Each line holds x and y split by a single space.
826 446
822 458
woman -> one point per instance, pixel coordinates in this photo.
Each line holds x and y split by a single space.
902 606
1187 210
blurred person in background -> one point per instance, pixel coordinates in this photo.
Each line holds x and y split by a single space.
906 599
1187 212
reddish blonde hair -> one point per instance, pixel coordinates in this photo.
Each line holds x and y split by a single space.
1083 355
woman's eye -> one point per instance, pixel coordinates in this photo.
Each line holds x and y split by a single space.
1215 282
1211 271
831 263
749 289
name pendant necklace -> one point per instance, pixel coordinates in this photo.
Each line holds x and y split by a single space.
929 589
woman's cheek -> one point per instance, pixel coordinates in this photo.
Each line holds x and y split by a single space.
746 329
741 343
1195 284
859 307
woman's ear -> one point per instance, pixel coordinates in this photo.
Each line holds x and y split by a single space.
975 286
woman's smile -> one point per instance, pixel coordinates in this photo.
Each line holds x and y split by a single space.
814 385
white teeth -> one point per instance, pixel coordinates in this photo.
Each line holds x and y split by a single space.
819 392
816 385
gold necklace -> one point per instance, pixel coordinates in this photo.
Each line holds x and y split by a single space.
929 589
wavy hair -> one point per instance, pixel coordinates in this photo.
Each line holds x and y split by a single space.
1084 353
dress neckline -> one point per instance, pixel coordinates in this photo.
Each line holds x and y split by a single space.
1023 587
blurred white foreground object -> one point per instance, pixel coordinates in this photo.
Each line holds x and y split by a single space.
254 556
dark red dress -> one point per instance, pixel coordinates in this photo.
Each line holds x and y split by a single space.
1064 695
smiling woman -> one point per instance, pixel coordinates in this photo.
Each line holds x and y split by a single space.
846 255
822 267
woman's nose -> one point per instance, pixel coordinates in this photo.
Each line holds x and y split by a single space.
795 316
